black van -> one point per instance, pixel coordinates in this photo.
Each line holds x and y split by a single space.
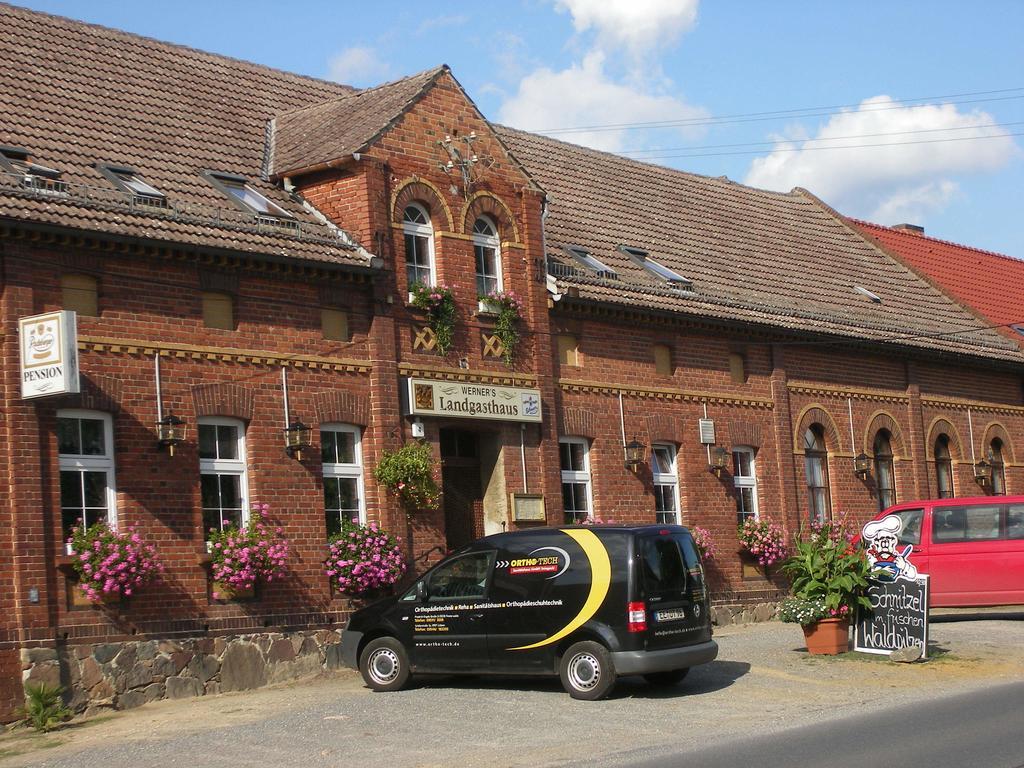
585 603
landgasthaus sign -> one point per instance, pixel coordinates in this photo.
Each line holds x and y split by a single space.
49 354
472 401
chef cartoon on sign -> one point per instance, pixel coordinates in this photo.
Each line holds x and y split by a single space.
888 562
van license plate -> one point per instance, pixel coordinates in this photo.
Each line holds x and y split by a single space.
670 615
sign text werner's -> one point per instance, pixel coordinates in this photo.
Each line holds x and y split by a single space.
49 354
472 401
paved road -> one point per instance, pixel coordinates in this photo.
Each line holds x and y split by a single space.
762 684
982 729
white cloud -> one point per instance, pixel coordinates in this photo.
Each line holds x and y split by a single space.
357 66
638 25
584 95
440 22
905 181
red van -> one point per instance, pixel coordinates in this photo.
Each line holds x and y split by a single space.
973 548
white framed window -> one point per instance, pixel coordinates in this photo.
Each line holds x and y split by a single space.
222 472
744 478
666 484
487 249
342 457
574 455
419 245
85 449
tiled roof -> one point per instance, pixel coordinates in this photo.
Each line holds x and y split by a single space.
75 94
991 283
782 260
316 135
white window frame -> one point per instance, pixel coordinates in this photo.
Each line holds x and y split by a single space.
344 471
582 476
747 481
74 462
667 479
493 243
426 231
237 467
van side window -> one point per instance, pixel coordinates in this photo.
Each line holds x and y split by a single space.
1015 521
911 533
982 523
462 577
965 523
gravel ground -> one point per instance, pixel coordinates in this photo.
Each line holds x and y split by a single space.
762 682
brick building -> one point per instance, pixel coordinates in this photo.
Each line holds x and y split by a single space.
239 245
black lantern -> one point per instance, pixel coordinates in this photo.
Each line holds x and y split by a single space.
719 458
983 473
298 438
635 451
862 465
170 431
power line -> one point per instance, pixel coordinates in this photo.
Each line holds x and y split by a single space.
776 114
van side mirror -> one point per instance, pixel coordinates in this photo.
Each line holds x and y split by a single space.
421 590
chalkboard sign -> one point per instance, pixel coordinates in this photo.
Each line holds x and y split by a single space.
898 617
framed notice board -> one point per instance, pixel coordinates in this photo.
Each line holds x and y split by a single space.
527 507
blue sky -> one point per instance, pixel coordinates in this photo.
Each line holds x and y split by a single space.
842 74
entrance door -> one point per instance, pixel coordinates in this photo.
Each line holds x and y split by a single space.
460 479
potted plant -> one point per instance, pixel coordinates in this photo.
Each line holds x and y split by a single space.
364 559
828 576
111 565
408 473
508 308
763 539
241 557
439 304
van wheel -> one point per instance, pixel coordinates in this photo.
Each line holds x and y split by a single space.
665 679
384 664
587 671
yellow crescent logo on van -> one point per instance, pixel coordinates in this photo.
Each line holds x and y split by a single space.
600 581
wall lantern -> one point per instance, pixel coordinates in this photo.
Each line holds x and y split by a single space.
170 431
635 451
719 457
983 473
862 465
298 438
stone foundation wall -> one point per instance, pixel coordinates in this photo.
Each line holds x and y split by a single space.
129 674
724 615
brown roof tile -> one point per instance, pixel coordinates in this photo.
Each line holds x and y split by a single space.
75 94
774 259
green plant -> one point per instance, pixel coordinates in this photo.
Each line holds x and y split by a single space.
439 304
44 707
804 611
409 474
826 566
506 326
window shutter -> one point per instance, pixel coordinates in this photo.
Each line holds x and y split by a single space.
335 324
79 294
568 350
662 359
737 368
218 311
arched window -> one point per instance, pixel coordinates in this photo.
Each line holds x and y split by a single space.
222 473
419 245
85 448
885 470
995 458
341 453
943 468
488 256
816 472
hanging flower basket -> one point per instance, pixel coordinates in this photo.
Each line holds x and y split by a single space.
408 473
438 302
509 310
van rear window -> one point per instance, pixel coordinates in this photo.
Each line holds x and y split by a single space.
669 564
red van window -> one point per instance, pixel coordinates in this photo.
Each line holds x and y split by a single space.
1015 521
965 523
911 532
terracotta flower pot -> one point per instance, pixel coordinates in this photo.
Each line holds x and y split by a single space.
828 636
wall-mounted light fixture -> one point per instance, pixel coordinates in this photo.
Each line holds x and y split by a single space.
635 452
982 473
298 437
170 432
719 458
862 465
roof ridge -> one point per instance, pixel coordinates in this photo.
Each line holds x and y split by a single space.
637 162
923 236
114 32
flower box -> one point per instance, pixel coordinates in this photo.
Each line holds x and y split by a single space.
486 307
224 593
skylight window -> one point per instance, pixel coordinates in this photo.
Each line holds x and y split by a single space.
588 260
660 271
248 199
131 182
35 176
869 294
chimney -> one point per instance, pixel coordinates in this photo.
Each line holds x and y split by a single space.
910 229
